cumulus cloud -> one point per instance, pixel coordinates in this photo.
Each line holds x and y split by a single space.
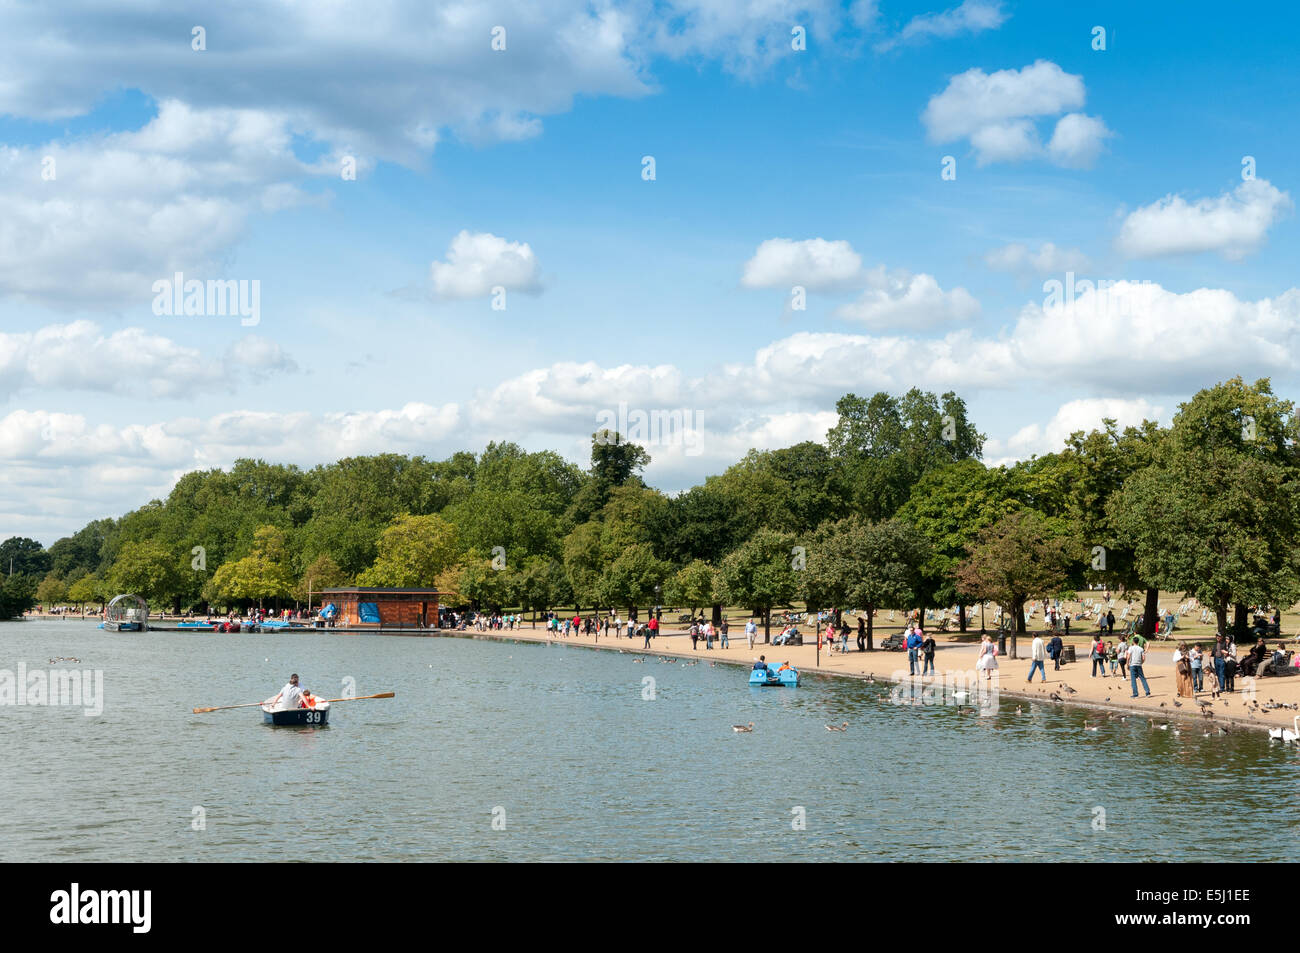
996 112
814 263
116 212
1234 224
1085 414
1125 345
1077 141
131 361
1047 259
973 16
900 299
479 261
392 79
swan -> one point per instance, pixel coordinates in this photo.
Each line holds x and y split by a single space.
1288 734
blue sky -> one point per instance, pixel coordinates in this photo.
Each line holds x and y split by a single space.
522 169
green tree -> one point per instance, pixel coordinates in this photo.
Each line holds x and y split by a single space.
856 564
761 574
17 595
1217 512
413 551
88 589
694 585
150 570
632 577
24 557
266 573
51 591
1022 556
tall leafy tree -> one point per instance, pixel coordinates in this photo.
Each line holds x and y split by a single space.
1020 557
856 564
413 551
1217 512
763 573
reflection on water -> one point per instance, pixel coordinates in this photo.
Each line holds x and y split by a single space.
560 747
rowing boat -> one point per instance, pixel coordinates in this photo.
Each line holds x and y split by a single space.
289 717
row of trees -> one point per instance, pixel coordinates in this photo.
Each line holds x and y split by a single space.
895 511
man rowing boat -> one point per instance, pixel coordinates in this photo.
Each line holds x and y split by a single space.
290 696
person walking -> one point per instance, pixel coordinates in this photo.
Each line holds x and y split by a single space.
1098 656
988 658
1038 653
1197 659
862 634
1055 649
722 632
913 643
708 636
1122 652
751 630
1136 656
1110 621
927 650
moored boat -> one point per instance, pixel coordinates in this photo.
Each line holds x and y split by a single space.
289 717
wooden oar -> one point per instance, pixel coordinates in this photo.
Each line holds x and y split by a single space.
357 698
199 711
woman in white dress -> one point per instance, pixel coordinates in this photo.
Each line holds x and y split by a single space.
988 659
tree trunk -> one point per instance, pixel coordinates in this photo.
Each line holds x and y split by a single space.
1239 623
717 613
1221 614
1020 626
961 617
871 612
767 626
1151 613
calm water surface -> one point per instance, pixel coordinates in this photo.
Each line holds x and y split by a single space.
561 744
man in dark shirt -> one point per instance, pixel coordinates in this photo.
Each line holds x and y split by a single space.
761 664
927 650
1054 649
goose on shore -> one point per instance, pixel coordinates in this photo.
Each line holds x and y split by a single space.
749 727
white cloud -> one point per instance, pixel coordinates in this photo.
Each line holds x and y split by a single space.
126 209
996 112
1077 141
814 263
1085 414
900 299
1102 337
1048 259
1124 345
1012 141
131 361
1234 224
479 261
973 16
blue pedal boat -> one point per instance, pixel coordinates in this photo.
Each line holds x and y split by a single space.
293 717
771 677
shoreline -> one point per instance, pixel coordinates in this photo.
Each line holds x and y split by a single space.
1159 674
950 658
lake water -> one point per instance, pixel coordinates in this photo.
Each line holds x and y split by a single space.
559 746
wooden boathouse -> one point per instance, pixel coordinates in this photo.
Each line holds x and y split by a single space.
363 607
